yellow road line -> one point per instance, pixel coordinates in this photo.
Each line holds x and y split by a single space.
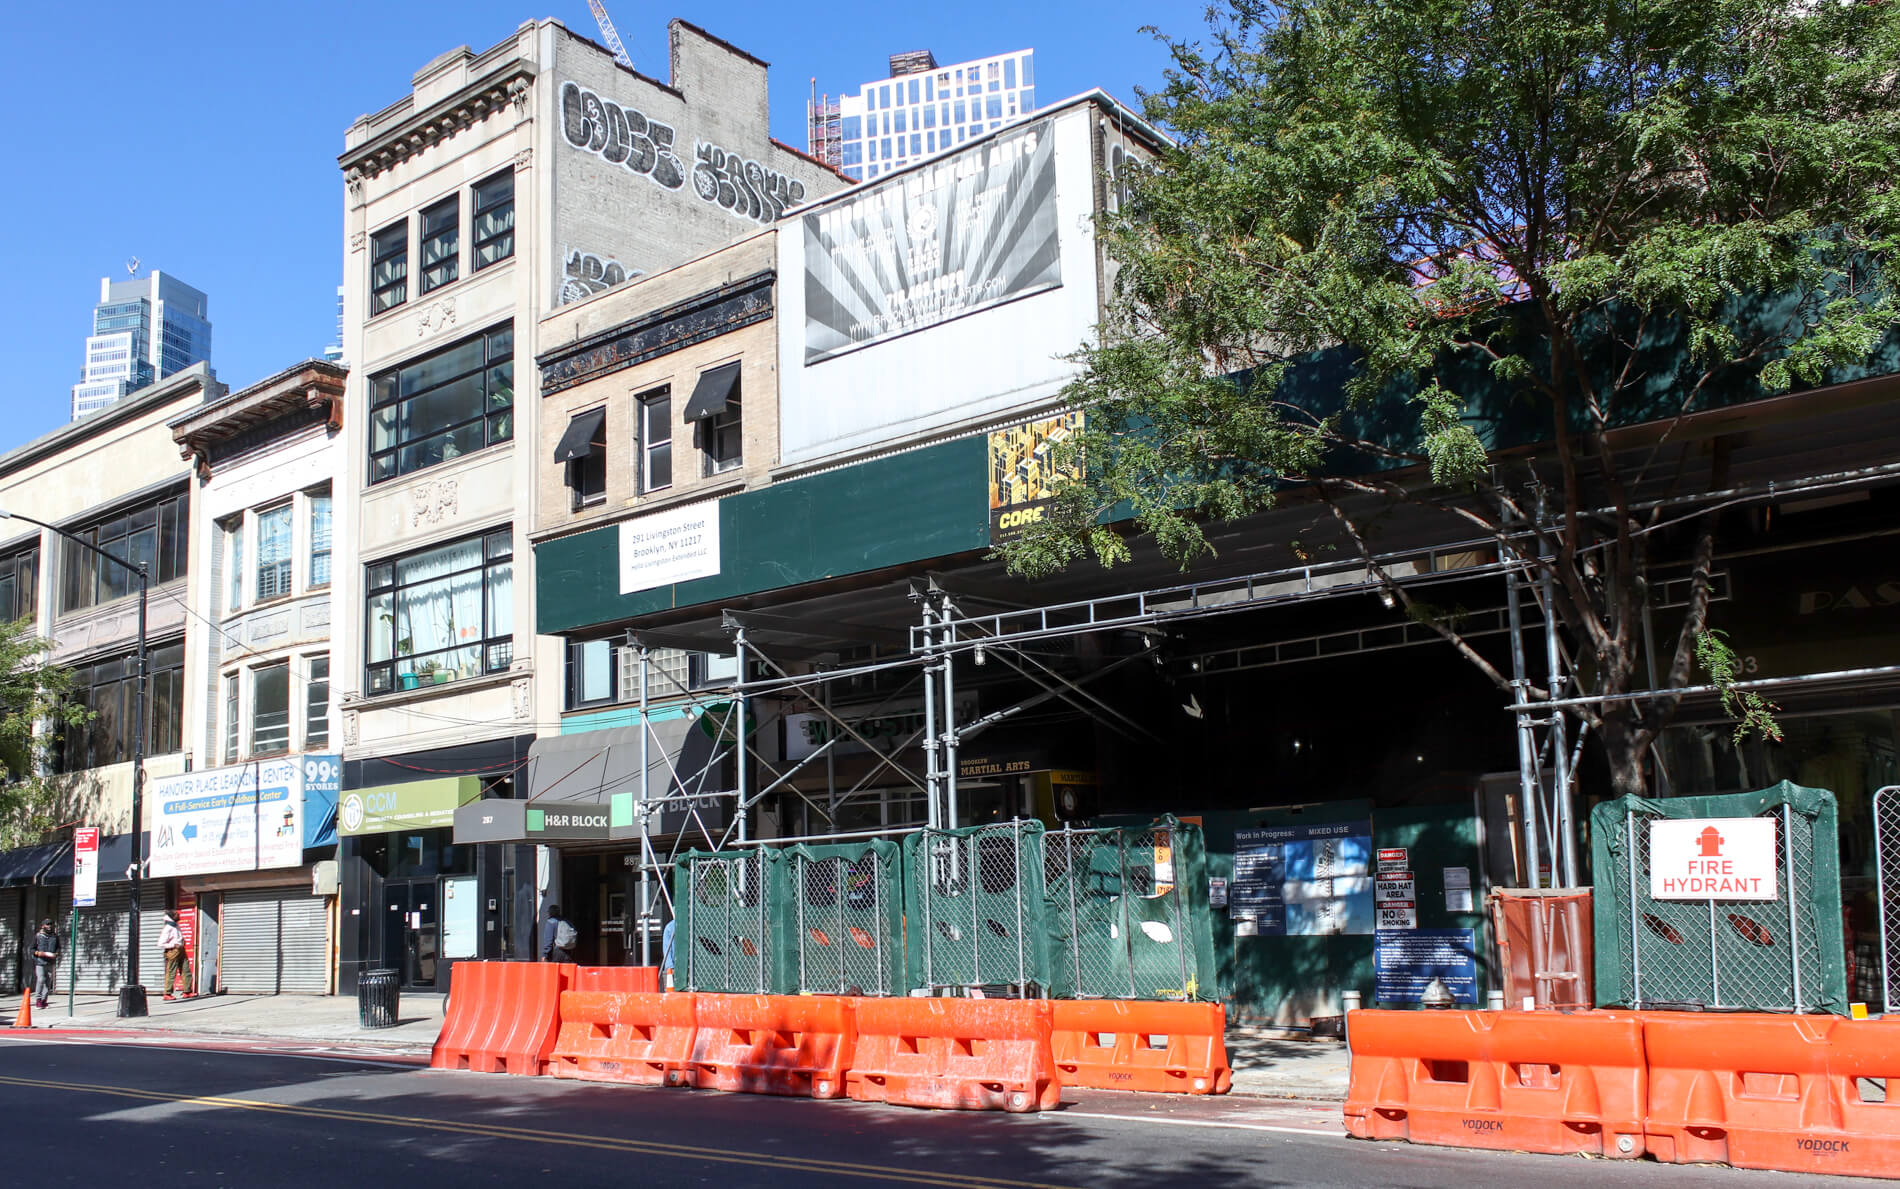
496 1131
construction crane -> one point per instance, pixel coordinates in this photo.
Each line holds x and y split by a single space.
608 31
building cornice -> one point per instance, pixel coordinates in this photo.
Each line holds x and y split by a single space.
703 316
312 384
508 84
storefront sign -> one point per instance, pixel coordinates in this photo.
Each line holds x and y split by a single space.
968 232
1405 963
1303 881
417 805
322 782
1713 858
248 817
85 866
676 545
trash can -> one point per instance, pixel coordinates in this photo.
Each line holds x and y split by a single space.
378 996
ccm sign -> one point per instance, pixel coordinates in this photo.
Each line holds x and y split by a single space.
1713 858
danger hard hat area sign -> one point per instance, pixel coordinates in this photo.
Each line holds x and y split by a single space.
1713 858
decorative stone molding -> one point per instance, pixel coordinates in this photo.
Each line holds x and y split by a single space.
438 317
519 91
524 159
434 500
354 179
703 316
357 240
349 728
524 699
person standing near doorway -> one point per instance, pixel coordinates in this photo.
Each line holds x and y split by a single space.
557 937
172 941
45 961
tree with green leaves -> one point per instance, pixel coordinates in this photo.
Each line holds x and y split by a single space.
34 708
1579 222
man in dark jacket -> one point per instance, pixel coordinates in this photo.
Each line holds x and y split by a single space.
45 961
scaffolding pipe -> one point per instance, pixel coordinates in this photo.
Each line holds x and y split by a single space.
932 778
949 719
646 841
1527 776
738 716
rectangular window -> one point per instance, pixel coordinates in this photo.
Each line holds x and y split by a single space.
916 143
320 539
441 242
389 268
20 585
231 719
1009 73
900 120
1029 70
930 91
930 117
884 148
234 565
316 712
913 90
590 672
454 402
273 553
440 614
852 128
270 709
884 95
1029 99
656 440
720 437
963 113
109 689
584 449
993 107
153 534
494 220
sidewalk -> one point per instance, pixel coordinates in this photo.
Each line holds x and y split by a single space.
1265 1064
328 1018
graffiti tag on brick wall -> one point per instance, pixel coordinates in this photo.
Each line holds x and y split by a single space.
744 187
584 274
620 135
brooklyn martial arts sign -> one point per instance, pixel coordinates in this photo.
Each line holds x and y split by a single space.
964 234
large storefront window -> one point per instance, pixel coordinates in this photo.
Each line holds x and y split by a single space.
109 688
442 406
441 614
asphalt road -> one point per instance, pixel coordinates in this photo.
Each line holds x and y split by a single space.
158 1114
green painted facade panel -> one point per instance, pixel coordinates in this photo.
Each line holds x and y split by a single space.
908 507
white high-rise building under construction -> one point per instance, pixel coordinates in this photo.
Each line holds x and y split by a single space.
920 109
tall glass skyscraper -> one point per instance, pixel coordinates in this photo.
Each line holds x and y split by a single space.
143 330
924 108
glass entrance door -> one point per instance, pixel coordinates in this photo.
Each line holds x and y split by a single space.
461 922
411 942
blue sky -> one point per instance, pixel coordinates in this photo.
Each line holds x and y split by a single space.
202 138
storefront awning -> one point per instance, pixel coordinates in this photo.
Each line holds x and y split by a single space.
23 865
578 441
414 805
587 786
116 857
713 393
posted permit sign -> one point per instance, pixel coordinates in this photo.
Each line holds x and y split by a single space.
1713 858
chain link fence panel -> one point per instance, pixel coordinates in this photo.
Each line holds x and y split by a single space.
975 902
848 928
729 907
1887 872
1784 954
1127 907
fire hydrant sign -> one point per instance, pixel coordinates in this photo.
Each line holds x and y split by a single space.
1713 858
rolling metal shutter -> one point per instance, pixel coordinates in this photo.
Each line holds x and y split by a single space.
274 940
98 962
12 944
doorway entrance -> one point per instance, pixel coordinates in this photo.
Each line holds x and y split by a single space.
411 928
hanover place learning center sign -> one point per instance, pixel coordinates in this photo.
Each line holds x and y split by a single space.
1713 858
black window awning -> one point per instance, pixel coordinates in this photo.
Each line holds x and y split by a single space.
116 857
714 393
23 865
582 431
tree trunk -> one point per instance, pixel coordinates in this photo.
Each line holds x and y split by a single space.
1623 746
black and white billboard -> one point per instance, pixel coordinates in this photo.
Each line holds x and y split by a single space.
952 237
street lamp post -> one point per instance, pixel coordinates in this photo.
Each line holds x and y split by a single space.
132 994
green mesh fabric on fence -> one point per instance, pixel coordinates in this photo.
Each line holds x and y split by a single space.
1128 914
1739 955
847 927
730 910
975 905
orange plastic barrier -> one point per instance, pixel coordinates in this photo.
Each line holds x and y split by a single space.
1561 1083
959 1054
502 1016
642 1038
616 978
1775 1092
799 1045
1159 1048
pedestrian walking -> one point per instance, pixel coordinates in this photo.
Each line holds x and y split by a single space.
172 941
45 961
557 937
